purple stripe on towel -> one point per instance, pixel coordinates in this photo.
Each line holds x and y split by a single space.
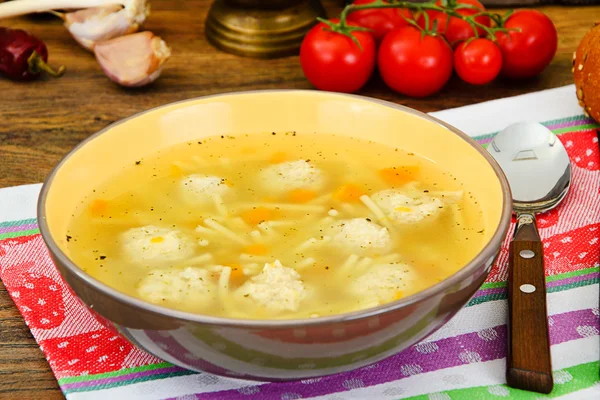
18 228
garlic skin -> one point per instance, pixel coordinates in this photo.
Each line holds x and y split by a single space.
133 60
93 25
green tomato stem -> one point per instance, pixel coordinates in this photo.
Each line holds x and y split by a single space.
449 10
343 28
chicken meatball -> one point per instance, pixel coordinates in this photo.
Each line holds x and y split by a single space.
286 176
276 288
360 236
152 245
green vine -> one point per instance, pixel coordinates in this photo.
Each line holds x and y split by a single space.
343 28
448 7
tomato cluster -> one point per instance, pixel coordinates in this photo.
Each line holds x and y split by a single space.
416 53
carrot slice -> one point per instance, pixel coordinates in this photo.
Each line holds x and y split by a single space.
236 272
257 215
98 207
398 176
278 158
301 195
348 193
256 249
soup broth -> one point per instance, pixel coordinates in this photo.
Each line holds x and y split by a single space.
276 225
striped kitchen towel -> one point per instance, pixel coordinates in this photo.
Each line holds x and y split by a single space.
463 360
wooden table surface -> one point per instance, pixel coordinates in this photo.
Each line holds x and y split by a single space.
40 121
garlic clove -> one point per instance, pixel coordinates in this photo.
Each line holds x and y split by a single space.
133 60
92 25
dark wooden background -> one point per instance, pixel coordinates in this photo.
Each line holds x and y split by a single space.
40 121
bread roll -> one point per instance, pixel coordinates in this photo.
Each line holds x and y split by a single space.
586 72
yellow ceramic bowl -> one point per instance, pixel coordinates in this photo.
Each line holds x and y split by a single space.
288 349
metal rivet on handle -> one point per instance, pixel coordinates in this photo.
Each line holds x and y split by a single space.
527 288
527 254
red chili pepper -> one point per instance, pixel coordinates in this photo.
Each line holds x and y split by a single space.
23 56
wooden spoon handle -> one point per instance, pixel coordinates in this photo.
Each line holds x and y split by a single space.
529 365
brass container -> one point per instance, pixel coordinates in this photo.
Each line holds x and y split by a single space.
261 28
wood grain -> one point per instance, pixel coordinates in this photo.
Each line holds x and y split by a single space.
528 365
40 121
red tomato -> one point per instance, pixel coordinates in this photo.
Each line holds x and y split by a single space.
529 49
379 20
413 64
456 29
333 61
478 62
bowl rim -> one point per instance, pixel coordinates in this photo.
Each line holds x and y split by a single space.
488 252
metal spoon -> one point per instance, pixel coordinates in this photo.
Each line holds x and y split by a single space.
539 173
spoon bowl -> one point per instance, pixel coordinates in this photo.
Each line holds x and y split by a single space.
536 165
